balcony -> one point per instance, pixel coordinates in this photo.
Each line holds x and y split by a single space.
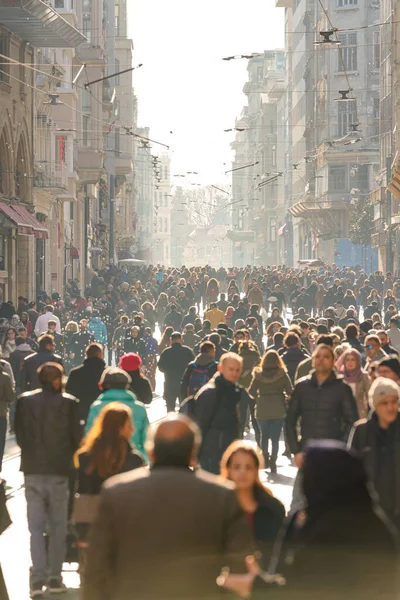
38 24
283 3
51 177
90 165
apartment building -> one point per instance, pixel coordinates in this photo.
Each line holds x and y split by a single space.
162 211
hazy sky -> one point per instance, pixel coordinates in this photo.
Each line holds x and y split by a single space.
184 86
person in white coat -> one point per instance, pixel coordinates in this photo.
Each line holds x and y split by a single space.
42 324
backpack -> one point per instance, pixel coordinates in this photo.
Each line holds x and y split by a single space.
198 378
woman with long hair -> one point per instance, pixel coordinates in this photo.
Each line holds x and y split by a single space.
272 328
232 290
161 308
9 344
150 315
165 341
212 291
106 451
349 364
270 388
241 463
151 356
71 328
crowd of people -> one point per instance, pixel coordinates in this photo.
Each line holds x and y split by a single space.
306 360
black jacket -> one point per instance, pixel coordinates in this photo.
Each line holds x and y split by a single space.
381 452
267 522
141 387
136 345
292 357
29 376
17 362
201 360
326 411
78 344
83 384
173 362
217 414
173 319
48 432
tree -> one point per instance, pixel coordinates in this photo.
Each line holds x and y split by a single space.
361 217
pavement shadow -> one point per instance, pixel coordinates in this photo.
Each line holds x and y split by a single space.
280 479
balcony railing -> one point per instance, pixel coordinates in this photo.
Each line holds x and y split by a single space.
51 176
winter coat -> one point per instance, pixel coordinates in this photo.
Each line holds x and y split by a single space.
217 414
266 522
173 362
376 446
98 329
7 395
138 409
251 358
360 391
141 387
190 339
17 362
326 411
215 316
29 375
201 360
48 432
136 345
270 391
173 319
83 384
292 357
78 343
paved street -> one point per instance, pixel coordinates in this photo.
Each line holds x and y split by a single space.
14 543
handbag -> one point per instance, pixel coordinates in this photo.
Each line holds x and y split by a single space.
85 508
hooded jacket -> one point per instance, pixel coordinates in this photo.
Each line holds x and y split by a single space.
138 409
270 389
292 357
98 329
201 360
251 358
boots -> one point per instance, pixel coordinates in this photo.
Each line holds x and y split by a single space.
272 464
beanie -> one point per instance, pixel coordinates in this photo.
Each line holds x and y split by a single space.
130 362
380 389
393 363
365 326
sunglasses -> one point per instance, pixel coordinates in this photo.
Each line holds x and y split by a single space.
369 346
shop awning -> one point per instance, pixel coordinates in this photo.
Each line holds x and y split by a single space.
39 229
26 223
74 252
394 184
38 24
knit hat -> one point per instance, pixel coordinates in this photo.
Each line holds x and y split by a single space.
381 388
393 363
365 326
130 362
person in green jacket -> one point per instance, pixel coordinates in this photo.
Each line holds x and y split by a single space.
115 384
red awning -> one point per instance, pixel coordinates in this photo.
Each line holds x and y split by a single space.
39 229
74 252
26 223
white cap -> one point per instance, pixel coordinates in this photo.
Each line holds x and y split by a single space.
381 388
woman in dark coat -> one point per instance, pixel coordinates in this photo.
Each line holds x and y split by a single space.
135 343
241 463
140 385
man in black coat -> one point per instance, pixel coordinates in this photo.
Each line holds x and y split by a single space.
216 411
292 356
83 381
79 342
325 407
173 319
17 358
29 374
173 362
48 432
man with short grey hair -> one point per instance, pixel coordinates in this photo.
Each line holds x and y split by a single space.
164 533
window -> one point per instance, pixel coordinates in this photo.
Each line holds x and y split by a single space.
337 179
117 140
346 116
59 4
260 73
272 230
273 150
160 225
348 51
85 126
4 68
376 108
165 172
86 102
166 225
117 20
342 3
117 70
376 50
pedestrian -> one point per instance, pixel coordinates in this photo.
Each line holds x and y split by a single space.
270 387
134 343
151 356
349 364
293 355
79 342
105 452
98 329
173 318
212 292
323 407
373 349
29 373
199 371
173 362
83 381
214 315
242 463
7 399
337 545
114 385
190 338
42 322
385 343
9 344
394 333
119 336
140 385
165 341
378 441
58 337
5 522
48 432
217 412
130 509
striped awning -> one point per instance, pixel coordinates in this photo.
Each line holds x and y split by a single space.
26 223
394 184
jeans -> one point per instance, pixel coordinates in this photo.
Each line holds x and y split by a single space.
3 434
298 499
270 430
47 503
